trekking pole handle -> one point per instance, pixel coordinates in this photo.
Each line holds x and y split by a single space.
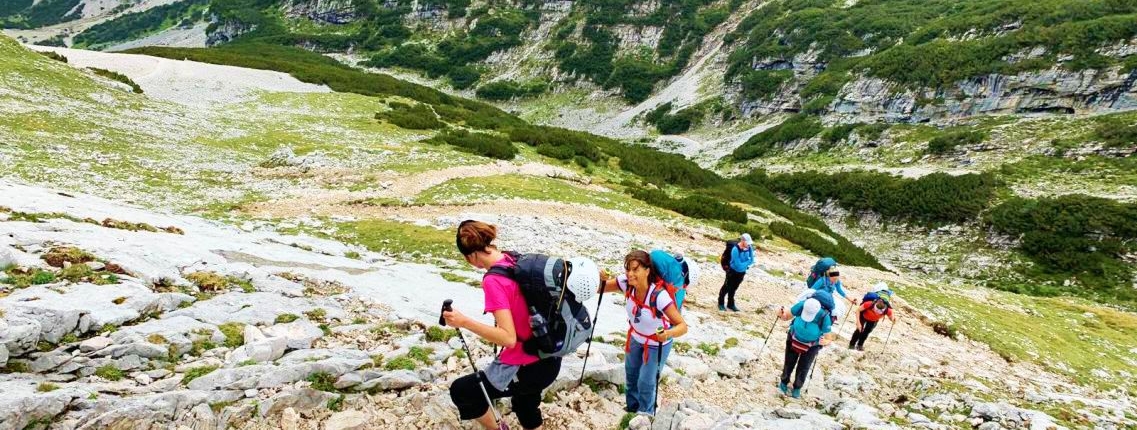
445 308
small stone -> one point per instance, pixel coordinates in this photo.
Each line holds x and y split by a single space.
96 265
143 379
252 394
640 422
346 420
95 343
290 419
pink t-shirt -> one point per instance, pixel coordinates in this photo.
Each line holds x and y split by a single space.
504 293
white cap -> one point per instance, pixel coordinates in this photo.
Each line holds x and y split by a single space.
746 237
880 286
584 279
810 309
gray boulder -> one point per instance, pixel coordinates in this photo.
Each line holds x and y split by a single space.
299 334
394 380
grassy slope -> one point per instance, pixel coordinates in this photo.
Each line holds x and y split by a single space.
1077 338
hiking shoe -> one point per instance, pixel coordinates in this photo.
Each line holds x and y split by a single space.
860 347
733 308
796 394
785 389
722 308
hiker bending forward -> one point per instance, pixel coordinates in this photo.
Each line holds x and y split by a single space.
653 320
807 335
514 373
832 284
868 315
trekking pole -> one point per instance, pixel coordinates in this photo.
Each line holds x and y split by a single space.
658 366
847 312
771 333
886 339
590 335
501 425
809 376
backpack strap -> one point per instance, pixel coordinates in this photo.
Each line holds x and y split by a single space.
507 272
652 300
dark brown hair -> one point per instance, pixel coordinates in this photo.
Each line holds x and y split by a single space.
644 259
474 236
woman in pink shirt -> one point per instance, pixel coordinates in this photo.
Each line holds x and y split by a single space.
503 298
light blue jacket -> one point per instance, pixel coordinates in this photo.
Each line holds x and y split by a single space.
823 284
809 331
741 260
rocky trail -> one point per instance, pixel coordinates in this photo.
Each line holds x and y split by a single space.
151 320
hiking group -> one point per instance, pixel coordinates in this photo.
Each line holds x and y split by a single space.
536 302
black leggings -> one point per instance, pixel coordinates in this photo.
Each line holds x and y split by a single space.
730 286
859 336
801 361
525 391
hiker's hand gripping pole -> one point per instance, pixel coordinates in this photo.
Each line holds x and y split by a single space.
446 307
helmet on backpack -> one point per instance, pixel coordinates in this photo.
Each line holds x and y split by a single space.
584 278
692 272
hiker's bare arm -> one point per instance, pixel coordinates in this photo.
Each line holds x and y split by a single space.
678 326
610 286
505 334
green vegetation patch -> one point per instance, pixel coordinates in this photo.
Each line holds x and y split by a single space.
118 77
934 198
503 187
398 238
774 138
485 144
926 43
1073 236
140 24
1065 335
508 90
412 117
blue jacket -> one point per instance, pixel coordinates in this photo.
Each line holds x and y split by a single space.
823 284
809 331
741 260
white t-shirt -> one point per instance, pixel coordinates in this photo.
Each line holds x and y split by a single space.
647 321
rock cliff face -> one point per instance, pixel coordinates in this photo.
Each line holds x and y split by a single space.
868 99
225 32
1052 91
323 11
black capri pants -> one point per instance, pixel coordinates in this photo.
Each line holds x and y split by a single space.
532 379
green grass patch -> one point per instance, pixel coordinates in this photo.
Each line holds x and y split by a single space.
110 373
1059 334
504 187
285 318
398 238
234 334
197 372
438 334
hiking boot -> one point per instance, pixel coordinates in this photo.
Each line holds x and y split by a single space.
785 389
722 308
860 347
796 394
733 308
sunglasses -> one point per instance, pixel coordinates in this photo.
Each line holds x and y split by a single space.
832 274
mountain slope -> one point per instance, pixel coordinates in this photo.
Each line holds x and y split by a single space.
394 194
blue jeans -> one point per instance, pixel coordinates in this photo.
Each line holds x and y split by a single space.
641 376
